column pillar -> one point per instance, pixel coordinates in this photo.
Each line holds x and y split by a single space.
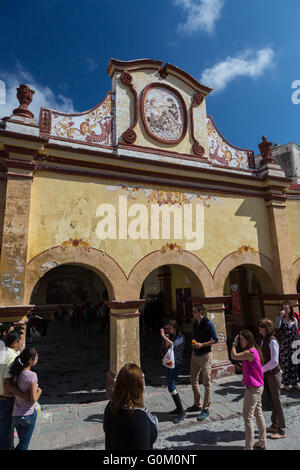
215 308
124 337
18 171
276 185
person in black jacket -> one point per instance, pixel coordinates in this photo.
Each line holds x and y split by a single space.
204 336
128 425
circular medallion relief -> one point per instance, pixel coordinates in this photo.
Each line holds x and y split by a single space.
164 113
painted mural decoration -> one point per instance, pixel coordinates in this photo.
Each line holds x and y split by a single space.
163 113
92 127
223 153
171 246
164 197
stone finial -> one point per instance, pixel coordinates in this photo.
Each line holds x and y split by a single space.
24 95
265 148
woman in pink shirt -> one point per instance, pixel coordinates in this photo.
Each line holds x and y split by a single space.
24 411
253 379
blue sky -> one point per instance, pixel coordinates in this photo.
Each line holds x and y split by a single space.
247 50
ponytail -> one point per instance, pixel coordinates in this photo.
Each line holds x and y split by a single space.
20 363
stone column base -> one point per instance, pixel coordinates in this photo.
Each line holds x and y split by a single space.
222 369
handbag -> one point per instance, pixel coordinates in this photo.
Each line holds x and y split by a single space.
168 359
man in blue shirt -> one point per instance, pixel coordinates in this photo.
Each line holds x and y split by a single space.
204 336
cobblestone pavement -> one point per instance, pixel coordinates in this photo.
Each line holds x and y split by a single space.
220 435
72 366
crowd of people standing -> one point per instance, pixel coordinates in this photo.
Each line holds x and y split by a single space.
264 367
128 424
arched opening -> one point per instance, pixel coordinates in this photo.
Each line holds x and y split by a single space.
245 284
168 290
74 353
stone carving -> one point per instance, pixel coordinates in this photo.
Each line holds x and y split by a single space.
24 95
129 136
197 147
265 148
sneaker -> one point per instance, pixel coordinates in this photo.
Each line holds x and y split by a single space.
203 415
179 418
193 408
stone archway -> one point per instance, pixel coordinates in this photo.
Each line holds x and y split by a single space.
259 263
91 258
156 259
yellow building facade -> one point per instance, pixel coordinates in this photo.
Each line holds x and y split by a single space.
144 192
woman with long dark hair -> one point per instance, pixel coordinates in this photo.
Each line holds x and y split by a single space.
287 325
128 425
176 338
253 379
25 412
272 376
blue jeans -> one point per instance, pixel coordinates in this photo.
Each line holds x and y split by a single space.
25 427
6 430
172 375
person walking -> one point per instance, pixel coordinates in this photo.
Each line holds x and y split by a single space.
204 337
253 379
287 325
177 340
128 425
272 376
25 411
14 344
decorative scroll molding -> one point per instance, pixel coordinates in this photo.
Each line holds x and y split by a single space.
197 148
129 136
45 121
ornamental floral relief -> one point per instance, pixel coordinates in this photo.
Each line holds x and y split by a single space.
92 127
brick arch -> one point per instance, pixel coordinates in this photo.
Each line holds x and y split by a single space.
261 265
102 264
156 259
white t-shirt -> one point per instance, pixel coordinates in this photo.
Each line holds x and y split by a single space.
8 359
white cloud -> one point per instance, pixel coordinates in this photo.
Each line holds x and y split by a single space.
246 64
43 95
92 64
200 14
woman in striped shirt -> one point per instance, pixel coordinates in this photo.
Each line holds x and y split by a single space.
176 338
